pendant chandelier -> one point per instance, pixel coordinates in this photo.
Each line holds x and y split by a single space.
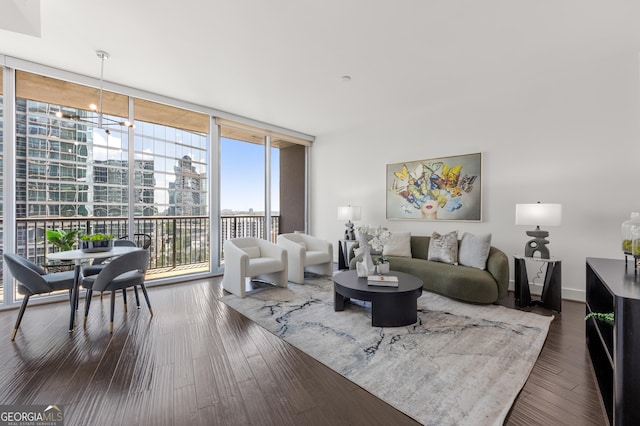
102 120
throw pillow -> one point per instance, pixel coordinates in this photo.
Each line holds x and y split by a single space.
399 245
444 248
474 250
253 252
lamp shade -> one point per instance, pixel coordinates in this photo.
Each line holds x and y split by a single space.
539 214
349 213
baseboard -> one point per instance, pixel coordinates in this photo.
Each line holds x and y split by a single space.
567 293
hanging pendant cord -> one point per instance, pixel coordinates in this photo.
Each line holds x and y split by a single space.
102 55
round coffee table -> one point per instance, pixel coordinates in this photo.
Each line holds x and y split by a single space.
390 306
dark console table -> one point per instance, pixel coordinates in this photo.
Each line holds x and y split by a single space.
615 349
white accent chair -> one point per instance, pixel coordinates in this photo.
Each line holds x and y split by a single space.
252 258
306 253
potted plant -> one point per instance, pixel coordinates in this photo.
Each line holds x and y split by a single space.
62 239
382 265
606 317
96 242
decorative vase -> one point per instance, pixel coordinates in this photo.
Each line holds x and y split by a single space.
365 267
628 228
361 269
382 268
96 246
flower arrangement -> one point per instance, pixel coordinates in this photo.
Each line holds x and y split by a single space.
376 236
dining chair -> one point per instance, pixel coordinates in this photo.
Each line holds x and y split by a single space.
121 273
98 265
141 240
32 280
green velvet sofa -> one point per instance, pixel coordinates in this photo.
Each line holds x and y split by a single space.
455 281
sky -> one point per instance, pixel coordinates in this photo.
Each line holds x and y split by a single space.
242 176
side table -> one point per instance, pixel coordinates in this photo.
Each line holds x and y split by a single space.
551 297
343 253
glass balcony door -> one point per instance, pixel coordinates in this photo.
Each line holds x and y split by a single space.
242 190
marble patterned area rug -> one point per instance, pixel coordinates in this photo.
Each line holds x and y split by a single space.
460 364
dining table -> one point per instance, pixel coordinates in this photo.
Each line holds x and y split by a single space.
79 257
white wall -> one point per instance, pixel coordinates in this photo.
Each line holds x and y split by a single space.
566 135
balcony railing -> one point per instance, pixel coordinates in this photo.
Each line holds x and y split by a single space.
178 243
175 240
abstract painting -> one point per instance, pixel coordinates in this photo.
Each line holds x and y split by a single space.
447 188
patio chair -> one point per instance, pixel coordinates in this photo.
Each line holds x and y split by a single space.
32 280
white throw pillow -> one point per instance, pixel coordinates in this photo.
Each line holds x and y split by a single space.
474 250
444 248
399 245
253 252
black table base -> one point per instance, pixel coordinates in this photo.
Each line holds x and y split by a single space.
390 306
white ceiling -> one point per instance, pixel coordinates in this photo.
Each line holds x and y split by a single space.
281 61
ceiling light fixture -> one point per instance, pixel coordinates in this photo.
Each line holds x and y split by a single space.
98 108
102 55
345 78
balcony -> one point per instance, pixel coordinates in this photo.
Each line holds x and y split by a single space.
179 244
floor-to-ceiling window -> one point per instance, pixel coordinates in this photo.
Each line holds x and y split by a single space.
256 184
132 166
67 168
242 188
88 168
171 185
71 162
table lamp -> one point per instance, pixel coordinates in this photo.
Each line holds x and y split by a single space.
538 214
349 213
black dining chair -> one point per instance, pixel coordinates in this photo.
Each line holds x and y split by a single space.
141 240
98 265
121 273
32 280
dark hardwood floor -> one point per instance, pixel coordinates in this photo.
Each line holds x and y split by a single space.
198 362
